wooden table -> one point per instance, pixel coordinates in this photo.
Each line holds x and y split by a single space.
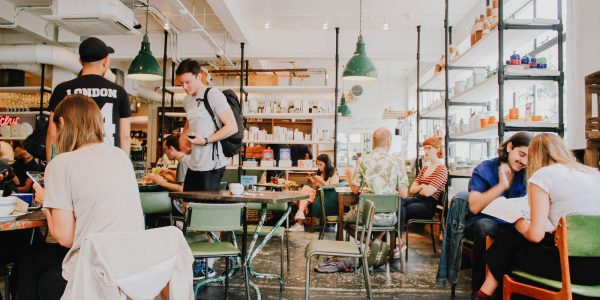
262 197
345 199
31 220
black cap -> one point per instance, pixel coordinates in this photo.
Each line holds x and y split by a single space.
93 49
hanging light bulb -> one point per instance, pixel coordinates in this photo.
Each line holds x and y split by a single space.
325 25
268 23
360 67
385 26
144 66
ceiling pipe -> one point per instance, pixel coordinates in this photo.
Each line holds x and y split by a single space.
40 54
219 52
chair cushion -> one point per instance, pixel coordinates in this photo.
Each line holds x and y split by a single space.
328 247
195 237
588 291
263 231
214 249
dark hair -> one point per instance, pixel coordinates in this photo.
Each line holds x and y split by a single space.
329 169
188 66
520 139
173 141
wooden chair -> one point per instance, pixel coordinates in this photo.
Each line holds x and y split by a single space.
576 236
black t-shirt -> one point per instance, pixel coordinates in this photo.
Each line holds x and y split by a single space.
21 168
110 97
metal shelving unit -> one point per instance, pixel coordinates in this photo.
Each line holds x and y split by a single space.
483 54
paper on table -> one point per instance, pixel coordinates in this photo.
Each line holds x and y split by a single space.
512 209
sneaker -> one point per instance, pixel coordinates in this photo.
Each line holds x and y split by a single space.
299 215
297 228
373 252
400 249
199 270
382 256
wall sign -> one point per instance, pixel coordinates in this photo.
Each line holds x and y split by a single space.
9 120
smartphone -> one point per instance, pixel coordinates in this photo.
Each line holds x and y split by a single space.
191 137
37 177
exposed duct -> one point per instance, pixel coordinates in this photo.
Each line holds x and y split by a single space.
40 54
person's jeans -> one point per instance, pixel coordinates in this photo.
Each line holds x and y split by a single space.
40 273
478 227
203 180
417 208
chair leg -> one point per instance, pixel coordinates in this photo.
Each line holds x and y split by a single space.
226 276
432 237
287 248
322 233
453 290
387 261
246 279
365 267
307 287
281 260
407 232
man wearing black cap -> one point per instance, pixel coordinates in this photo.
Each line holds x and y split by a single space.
110 97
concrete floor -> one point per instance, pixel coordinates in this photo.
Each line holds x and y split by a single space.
417 283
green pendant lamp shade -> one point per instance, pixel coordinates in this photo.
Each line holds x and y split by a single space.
343 108
144 66
360 67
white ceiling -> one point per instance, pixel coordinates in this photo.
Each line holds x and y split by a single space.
296 38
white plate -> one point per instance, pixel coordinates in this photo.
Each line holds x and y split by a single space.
11 217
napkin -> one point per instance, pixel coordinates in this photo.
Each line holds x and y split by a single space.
20 206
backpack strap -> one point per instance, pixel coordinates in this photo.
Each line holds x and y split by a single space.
212 116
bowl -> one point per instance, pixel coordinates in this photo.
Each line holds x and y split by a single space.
236 189
25 197
7 205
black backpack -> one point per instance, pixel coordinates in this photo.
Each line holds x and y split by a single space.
35 143
231 145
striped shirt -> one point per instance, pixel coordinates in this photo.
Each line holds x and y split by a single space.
437 179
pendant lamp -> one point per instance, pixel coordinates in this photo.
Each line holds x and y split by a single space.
343 108
144 66
360 67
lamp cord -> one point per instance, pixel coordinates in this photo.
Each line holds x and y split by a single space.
360 19
147 12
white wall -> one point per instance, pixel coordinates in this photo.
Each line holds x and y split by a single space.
583 46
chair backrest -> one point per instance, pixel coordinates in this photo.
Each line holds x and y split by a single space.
329 206
214 217
155 202
383 203
583 237
367 219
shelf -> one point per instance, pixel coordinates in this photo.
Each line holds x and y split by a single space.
487 90
288 142
23 89
8 138
461 173
485 52
23 113
292 116
491 131
439 111
436 82
265 89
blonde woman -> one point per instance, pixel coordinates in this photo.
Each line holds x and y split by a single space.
90 187
558 186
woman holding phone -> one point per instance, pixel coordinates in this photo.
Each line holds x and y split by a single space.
90 187
326 175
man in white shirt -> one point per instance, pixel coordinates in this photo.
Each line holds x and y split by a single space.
207 161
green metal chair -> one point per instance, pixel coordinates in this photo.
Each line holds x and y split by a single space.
157 203
209 217
280 232
439 210
383 204
344 248
576 236
327 210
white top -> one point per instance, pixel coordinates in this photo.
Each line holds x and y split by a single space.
201 125
571 191
98 185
